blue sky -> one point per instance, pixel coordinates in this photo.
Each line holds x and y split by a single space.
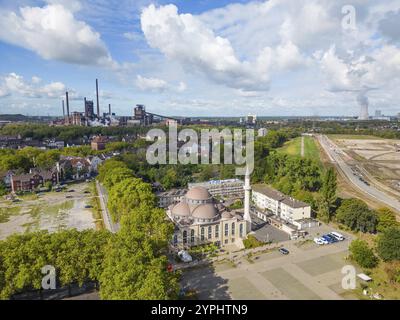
201 58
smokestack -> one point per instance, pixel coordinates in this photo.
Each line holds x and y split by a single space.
362 100
66 96
97 96
63 107
86 111
109 109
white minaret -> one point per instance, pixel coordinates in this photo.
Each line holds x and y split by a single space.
247 189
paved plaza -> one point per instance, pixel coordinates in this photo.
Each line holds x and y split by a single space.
309 272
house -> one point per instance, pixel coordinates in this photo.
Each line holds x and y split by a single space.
94 162
33 180
75 168
99 143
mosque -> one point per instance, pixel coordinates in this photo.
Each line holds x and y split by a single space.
200 219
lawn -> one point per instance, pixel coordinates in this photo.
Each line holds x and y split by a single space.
293 148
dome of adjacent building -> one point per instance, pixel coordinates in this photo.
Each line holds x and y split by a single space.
205 211
198 193
181 209
226 215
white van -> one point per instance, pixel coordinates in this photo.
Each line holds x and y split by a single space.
337 236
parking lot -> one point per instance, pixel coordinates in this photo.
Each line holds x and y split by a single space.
308 272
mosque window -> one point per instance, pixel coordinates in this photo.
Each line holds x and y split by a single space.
185 237
192 236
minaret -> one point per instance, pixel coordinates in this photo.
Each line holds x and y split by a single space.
247 189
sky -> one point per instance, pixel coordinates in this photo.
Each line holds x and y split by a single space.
201 58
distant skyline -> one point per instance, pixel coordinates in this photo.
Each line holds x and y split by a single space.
201 58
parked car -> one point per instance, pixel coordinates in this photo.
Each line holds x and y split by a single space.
337 236
320 241
185 256
284 251
329 238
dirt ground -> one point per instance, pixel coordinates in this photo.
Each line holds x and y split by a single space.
50 211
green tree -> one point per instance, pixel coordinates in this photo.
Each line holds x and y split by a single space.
388 246
136 264
386 219
355 214
363 254
107 166
328 192
117 175
128 195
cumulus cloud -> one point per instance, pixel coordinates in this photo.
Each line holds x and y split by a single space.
186 39
14 84
157 85
53 32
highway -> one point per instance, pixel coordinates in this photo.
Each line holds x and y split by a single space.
335 154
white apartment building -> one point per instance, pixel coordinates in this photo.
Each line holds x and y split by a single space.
222 188
284 207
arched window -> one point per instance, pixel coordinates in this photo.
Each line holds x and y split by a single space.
185 237
217 231
226 230
233 228
241 230
192 236
202 234
209 232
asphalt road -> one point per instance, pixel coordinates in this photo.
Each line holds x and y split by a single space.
113 227
335 155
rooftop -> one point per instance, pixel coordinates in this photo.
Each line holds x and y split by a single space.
278 196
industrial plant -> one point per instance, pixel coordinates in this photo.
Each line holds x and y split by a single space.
90 118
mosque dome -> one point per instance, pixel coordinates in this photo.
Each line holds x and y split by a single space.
181 209
205 211
198 193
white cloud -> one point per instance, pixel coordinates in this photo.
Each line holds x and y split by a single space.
186 39
53 32
14 84
151 84
157 85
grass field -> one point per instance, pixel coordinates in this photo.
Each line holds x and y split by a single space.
293 148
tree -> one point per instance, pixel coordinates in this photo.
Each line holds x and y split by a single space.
128 195
328 192
363 254
136 264
386 219
355 214
107 166
388 247
117 175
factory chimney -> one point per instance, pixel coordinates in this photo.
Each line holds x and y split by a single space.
86 111
63 108
97 97
66 96
109 109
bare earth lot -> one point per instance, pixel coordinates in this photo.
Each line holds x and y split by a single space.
50 211
380 157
